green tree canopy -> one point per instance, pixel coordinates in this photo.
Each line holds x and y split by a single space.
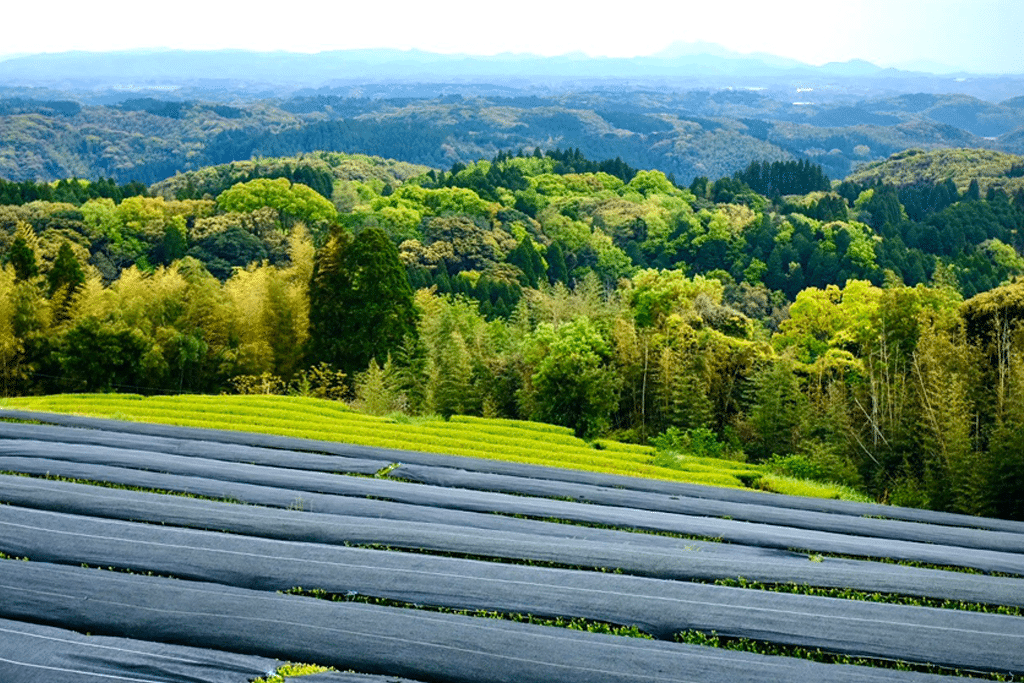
574 383
292 202
361 304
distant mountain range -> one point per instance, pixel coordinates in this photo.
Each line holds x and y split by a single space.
681 66
691 110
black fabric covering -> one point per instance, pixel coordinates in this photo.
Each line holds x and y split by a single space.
85 425
377 640
280 510
219 479
30 653
635 554
662 608
762 514
760 509
212 450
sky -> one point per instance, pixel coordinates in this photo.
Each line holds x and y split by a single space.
982 36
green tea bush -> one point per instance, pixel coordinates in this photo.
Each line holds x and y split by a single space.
496 439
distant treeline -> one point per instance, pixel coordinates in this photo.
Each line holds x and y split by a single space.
72 191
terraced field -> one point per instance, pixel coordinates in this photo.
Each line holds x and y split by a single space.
194 554
492 439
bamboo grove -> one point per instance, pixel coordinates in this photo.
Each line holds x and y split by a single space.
709 320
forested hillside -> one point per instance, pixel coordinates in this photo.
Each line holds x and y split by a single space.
857 332
713 132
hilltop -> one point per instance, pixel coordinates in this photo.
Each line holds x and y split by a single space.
684 134
989 168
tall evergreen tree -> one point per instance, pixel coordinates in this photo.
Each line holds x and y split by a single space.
973 192
558 271
66 273
527 259
23 259
361 304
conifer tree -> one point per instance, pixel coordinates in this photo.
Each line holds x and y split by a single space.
682 391
557 269
361 304
23 259
973 192
66 272
64 280
526 258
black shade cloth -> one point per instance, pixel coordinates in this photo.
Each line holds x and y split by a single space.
662 608
762 514
378 640
85 425
227 603
221 479
211 450
30 653
668 559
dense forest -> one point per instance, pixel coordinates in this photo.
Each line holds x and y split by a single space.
712 132
866 331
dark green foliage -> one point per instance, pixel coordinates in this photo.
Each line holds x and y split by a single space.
23 259
729 191
224 251
575 384
171 110
1006 475
97 357
173 246
699 187
360 301
924 198
66 273
884 207
72 191
573 161
17 105
784 177
973 192
526 258
778 410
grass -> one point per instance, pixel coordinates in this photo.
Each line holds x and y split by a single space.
803 487
486 438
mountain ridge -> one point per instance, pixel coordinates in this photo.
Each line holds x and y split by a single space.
300 69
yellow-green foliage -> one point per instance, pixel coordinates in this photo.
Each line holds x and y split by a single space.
618 446
813 489
495 439
481 422
290 670
988 167
311 418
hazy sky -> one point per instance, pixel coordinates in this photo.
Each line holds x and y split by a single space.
977 35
